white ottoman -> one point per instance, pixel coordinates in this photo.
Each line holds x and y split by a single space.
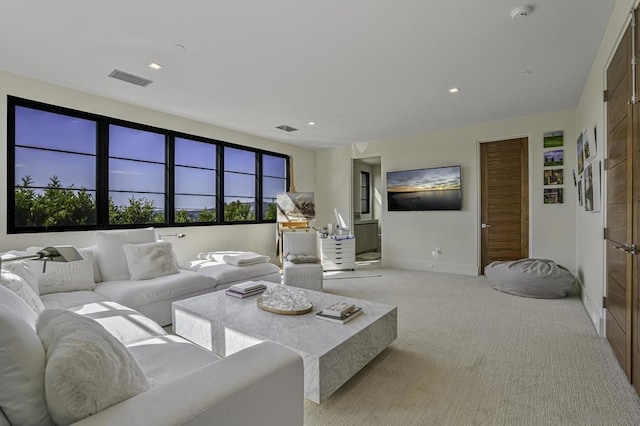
303 275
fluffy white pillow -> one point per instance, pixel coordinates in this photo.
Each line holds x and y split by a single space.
111 259
22 361
19 286
64 276
87 369
151 260
21 268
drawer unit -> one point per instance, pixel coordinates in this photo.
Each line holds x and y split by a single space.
337 254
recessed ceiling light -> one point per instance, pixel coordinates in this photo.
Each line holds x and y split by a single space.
312 123
454 90
156 66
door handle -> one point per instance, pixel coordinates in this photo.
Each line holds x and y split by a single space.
485 225
629 248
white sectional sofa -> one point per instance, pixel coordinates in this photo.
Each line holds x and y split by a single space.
104 276
186 384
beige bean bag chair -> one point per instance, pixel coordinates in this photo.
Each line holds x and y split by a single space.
540 278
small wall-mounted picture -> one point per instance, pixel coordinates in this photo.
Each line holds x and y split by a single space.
592 187
580 202
553 139
553 176
554 157
553 195
580 155
589 142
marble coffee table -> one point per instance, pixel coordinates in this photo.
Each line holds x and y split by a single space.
332 353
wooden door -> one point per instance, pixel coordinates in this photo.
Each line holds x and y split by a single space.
619 204
505 200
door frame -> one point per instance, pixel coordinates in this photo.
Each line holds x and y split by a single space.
529 138
351 195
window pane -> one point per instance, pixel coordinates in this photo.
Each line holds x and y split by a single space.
239 160
274 166
237 185
195 181
125 142
54 131
195 154
237 209
54 207
127 175
134 208
41 166
271 187
195 209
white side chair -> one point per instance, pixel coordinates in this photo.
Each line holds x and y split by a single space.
303 275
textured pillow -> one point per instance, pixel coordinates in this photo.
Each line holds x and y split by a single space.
22 361
65 276
113 264
87 369
19 286
151 260
21 268
302 258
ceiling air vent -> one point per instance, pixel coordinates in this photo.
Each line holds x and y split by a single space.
286 128
130 78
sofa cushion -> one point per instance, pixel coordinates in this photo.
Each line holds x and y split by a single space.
65 276
111 258
166 358
22 363
87 369
21 268
125 324
144 292
224 273
70 299
19 286
150 260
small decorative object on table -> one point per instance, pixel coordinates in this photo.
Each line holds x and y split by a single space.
344 318
246 289
285 301
338 309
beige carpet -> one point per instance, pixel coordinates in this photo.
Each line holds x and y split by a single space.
469 355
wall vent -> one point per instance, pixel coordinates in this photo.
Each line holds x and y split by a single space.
286 128
130 78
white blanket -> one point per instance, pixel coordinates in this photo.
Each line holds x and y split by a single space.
235 258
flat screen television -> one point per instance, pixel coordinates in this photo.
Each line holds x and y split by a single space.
436 188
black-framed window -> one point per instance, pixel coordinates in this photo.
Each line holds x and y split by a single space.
365 192
72 170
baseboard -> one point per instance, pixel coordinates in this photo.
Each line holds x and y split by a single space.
447 268
595 314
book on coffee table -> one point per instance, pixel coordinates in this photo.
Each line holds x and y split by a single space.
342 319
239 295
339 309
247 287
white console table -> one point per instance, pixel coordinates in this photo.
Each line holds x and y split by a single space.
337 254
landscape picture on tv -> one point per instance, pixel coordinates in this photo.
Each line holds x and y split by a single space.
435 188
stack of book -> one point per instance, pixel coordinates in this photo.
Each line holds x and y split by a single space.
246 289
340 312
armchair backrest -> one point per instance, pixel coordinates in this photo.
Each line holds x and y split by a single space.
299 243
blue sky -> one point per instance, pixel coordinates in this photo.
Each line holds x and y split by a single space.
195 185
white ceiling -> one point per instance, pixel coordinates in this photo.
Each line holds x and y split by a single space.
363 70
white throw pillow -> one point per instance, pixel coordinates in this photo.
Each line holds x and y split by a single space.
22 361
21 268
19 286
113 264
65 276
87 369
151 260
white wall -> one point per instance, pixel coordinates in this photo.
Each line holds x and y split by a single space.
590 111
259 238
410 237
